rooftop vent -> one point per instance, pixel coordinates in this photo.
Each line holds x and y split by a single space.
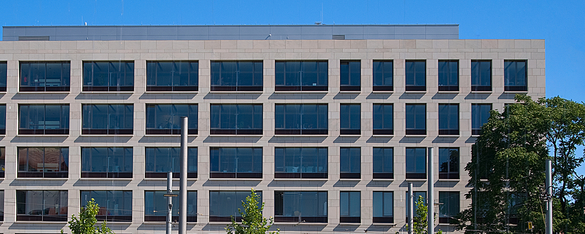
338 37
33 38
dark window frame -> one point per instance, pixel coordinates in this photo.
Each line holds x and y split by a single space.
216 164
89 115
170 127
478 79
214 86
298 169
301 125
449 164
152 80
2 163
157 195
124 75
347 116
348 201
512 76
384 129
217 128
347 75
477 116
412 72
322 79
87 153
446 214
213 217
410 159
380 163
380 83
3 119
452 83
34 84
413 114
50 214
3 76
349 157
297 196
27 171
104 213
450 129
157 172
383 218
64 115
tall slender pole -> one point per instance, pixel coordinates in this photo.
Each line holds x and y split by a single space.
430 193
410 208
169 202
183 194
549 202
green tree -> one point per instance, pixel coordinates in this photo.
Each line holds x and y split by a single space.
85 224
252 220
507 166
419 221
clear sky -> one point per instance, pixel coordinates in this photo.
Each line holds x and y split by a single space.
560 23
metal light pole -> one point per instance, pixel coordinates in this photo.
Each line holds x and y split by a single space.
549 202
430 193
410 209
170 196
183 188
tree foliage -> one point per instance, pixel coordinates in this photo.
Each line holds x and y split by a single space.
507 169
85 224
252 220
419 221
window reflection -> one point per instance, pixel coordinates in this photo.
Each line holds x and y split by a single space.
44 76
223 205
160 161
108 119
172 75
300 206
43 162
236 75
115 206
104 162
235 162
383 163
300 163
108 76
44 119
300 119
155 206
41 205
236 119
166 118
301 75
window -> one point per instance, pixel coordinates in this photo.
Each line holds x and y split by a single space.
383 76
41 205
108 119
3 76
224 204
166 118
301 76
350 207
236 119
44 76
448 206
416 119
235 162
383 119
480 113
155 206
1 205
416 75
160 161
102 162
383 163
115 206
108 76
448 119
295 206
2 163
448 75
383 207
416 195
350 75
43 162
350 163
481 75
416 163
43 119
350 119
172 75
300 119
448 163
300 163
515 75
2 119
236 76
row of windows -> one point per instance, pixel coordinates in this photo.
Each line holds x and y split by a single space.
228 162
290 206
239 119
248 75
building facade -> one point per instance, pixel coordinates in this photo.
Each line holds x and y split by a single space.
329 129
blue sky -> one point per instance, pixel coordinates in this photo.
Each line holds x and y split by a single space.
561 24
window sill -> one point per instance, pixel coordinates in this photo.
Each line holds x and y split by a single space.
41 222
382 135
519 92
385 91
300 223
415 135
165 179
415 180
236 92
350 179
448 92
384 224
41 135
40 178
301 179
152 135
350 91
454 136
236 179
301 135
489 91
170 92
97 179
164 222
236 135
109 135
45 92
415 92
449 180
107 92
381 179
301 92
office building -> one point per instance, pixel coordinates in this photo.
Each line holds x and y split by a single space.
328 122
